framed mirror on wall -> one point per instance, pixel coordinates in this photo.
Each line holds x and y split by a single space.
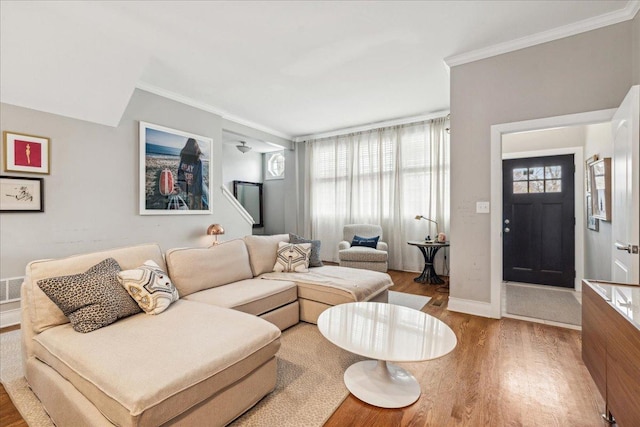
249 194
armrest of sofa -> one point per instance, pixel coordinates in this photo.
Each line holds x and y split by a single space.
344 245
382 246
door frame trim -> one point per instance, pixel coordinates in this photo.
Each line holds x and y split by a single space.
497 131
578 202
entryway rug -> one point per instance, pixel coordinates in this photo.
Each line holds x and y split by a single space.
547 304
416 302
309 388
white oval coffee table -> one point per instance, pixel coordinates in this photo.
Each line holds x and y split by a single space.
387 333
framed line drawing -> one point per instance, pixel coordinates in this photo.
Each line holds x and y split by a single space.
18 194
175 171
26 153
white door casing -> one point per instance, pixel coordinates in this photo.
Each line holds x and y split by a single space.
494 307
625 222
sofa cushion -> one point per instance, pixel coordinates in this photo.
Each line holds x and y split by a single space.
253 296
314 258
358 285
262 251
93 299
196 269
292 257
362 253
150 287
161 365
42 311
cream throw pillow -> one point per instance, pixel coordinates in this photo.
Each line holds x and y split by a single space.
150 287
292 257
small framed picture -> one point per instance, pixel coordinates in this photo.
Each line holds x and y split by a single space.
19 194
26 153
592 222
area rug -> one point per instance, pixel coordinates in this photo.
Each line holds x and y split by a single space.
12 378
408 300
546 304
309 388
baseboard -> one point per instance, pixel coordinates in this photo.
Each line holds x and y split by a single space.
477 308
9 317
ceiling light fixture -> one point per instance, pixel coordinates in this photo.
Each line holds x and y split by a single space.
243 148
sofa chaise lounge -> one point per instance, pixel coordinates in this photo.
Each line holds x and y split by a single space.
205 360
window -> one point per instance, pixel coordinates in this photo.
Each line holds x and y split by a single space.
274 165
547 179
385 176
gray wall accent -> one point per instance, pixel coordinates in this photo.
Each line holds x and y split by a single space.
274 206
91 195
586 72
635 49
597 244
291 193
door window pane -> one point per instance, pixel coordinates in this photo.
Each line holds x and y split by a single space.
520 174
553 172
536 186
553 186
536 173
520 187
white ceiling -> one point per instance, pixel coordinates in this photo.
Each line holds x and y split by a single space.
288 67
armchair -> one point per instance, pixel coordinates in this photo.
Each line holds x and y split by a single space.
361 256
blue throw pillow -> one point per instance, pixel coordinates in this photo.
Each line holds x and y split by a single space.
369 242
314 258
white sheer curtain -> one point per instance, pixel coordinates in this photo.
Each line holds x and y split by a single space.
384 176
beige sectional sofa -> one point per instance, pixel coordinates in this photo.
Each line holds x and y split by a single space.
204 361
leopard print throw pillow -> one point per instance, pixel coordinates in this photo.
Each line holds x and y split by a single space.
92 299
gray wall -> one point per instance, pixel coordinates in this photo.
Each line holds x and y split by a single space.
238 166
91 195
597 244
586 72
279 196
635 49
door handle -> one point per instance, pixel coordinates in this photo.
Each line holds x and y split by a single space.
629 248
506 230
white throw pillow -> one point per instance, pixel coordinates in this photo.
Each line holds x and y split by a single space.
150 287
292 257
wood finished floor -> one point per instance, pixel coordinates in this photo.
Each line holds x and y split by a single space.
502 373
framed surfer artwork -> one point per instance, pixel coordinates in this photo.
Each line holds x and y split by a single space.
175 171
26 153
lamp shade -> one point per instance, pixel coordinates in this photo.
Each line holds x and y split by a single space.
215 230
243 147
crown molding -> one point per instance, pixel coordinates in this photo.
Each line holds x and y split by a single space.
208 108
370 126
615 17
